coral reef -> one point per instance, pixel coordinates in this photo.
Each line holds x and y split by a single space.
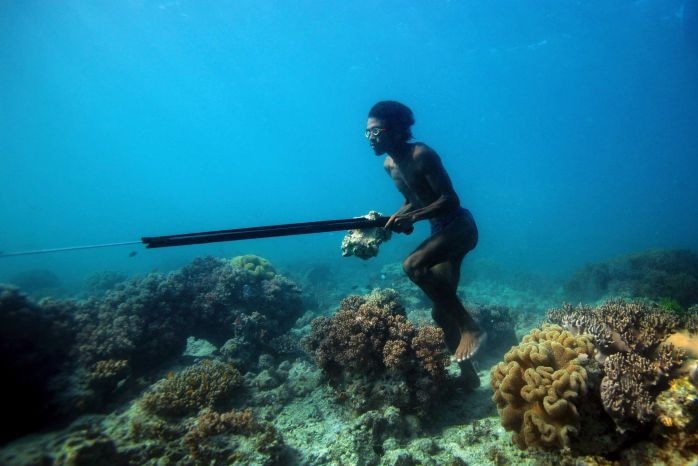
195 407
259 267
677 409
187 417
248 301
365 243
539 384
617 325
637 362
108 372
656 274
144 322
35 342
626 390
686 341
89 448
203 385
100 282
375 357
133 436
148 320
207 445
67 357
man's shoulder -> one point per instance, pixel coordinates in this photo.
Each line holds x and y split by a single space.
422 148
422 152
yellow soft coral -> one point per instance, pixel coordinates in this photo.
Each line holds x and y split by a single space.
258 266
536 387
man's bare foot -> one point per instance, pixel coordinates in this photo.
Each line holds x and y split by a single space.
470 342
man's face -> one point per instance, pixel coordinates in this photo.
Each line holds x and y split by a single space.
378 136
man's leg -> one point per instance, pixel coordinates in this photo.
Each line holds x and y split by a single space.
448 272
435 268
451 272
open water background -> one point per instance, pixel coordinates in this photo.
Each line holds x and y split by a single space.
569 128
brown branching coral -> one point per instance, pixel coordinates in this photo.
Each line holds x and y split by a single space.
538 385
691 319
200 386
356 336
210 423
209 438
626 389
617 325
108 372
638 345
428 347
369 344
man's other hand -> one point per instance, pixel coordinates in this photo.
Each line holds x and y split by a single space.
400 224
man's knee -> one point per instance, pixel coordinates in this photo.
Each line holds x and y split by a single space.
412 269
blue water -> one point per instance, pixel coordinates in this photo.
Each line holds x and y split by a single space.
570 129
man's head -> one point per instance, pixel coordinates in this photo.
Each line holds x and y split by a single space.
388 125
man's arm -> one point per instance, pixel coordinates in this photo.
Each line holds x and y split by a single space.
404 208
393 222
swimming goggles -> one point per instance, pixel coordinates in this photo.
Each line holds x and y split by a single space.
374 131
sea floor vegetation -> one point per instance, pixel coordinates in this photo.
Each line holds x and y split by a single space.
230 361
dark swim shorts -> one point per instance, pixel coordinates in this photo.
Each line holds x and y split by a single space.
439 224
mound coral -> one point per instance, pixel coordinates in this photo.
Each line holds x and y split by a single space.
203 385
259 267
539 384
375 357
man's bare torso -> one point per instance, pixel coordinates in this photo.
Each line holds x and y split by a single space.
417 174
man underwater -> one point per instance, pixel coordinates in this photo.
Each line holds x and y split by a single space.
434 266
